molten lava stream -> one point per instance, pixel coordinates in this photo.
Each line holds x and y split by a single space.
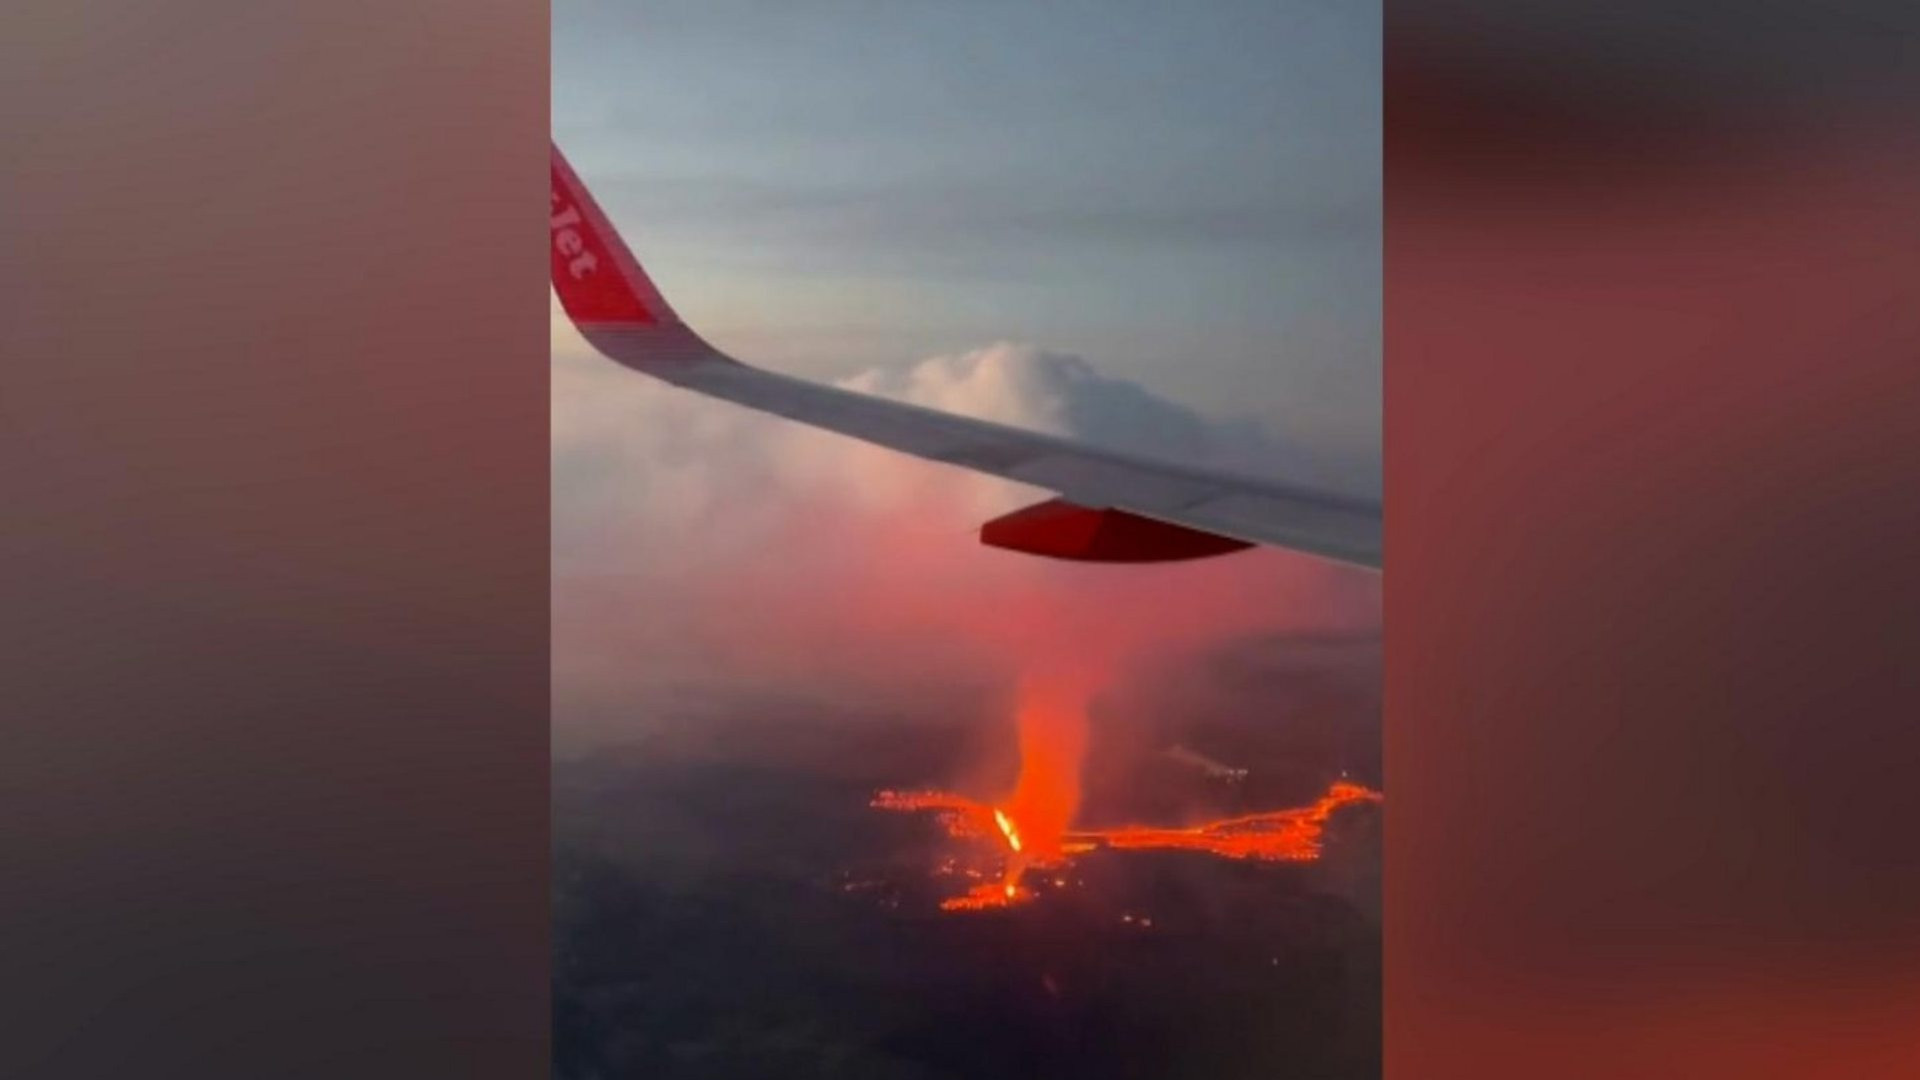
1278 835
1034 822
995 894
1291 835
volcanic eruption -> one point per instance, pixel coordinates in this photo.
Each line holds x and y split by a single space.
1034 823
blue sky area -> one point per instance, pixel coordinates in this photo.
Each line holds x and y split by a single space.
1188 196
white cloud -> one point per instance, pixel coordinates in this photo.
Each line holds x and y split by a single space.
699 543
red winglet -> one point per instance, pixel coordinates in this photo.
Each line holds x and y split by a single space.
599 281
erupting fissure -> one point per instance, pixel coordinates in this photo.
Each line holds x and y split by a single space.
1290 835
1035 821
1006 828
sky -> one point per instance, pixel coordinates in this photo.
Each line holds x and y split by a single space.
1185 197
1154 232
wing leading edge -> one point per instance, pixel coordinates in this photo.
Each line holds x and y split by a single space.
620 312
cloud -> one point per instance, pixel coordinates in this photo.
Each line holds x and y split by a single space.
702 549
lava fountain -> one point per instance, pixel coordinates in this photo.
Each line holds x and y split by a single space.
1052 721
1032 821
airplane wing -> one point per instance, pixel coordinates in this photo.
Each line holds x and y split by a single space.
1112 506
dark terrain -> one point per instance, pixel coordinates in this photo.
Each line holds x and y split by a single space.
727 905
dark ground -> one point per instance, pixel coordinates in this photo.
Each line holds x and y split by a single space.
718 917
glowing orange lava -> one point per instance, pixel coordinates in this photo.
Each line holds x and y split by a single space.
1052 720
1291 835
962 817
991 895
1007 830
1279 835
1035 820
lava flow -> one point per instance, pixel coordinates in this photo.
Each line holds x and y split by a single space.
966 819
1279 835
1034 822
1290 835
